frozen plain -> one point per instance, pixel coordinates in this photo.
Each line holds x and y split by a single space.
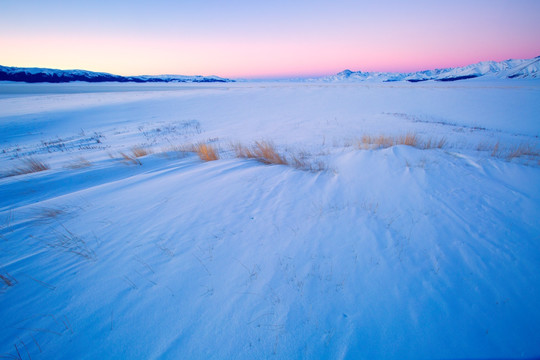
395 253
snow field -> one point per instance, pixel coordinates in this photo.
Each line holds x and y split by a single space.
394 252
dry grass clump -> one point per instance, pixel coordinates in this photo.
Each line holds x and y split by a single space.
130 159
206 152
432 143
383 142
523 150
137 151
410 139
500 151
375 142
263 151
140 151
266 153
30 165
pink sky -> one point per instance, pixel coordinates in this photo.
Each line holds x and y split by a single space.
281 39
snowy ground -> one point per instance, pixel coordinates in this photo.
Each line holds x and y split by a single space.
397 253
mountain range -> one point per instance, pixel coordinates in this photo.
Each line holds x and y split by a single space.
508 69
40 75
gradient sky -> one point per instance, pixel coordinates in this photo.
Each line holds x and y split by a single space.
257 39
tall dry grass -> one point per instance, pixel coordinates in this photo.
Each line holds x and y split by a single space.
266 153
434 144
521 150
499 150
263 151
383 142
367 142
140 151
32 165
409 139
29 165
206 152
129 159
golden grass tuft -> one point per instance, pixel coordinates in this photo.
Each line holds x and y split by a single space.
383 142
367 142
137 151
523 150
140 151
30 165
409 139
206 152
263 151
130 159
266 153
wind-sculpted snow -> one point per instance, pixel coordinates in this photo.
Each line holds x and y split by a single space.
122 243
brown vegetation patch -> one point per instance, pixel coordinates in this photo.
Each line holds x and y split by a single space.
367 142
206 152
263 151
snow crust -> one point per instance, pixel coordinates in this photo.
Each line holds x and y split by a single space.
396 253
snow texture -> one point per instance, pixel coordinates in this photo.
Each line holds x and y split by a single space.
380 253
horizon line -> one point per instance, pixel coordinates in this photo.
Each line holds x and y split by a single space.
267 77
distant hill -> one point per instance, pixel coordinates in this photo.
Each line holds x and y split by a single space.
43 75
508 69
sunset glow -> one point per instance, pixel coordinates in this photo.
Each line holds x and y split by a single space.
275 39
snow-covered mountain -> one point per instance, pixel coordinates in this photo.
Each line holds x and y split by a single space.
508 69
34 75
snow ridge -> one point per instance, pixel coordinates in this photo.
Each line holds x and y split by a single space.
508 69
39 75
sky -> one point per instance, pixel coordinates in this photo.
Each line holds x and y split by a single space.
264 39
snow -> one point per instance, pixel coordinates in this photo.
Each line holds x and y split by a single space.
395 253
520 68
45 75
35 70
512 68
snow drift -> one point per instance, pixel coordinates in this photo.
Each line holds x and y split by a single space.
395 253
